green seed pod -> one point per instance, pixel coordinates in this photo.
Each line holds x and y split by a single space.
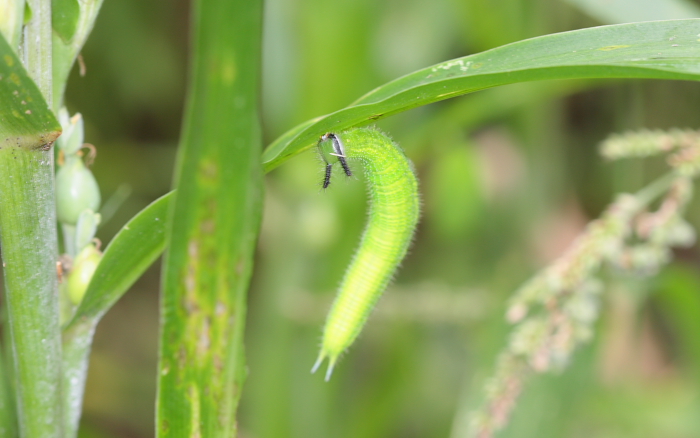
394 208
84 267
76 190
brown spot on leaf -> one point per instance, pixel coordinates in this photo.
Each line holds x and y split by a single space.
182 359
208 226
218 363
209 170
204 338
220 308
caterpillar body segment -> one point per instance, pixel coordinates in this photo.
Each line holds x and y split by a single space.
394 209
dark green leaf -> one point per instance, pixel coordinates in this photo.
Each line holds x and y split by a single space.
657 50
25 118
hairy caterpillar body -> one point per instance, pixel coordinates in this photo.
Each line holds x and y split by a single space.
394 208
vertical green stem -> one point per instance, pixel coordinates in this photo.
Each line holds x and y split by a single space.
77 340
213 226
36 47
29 253
28 223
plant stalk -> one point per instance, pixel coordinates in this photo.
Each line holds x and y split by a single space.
29 253
213 225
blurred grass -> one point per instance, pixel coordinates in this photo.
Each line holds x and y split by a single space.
502 196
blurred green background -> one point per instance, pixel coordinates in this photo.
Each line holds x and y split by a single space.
508 176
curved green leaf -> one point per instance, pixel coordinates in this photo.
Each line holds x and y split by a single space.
25 118
139 243
655 50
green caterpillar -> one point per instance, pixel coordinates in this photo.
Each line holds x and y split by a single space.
394 208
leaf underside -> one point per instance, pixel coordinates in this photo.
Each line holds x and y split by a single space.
652 50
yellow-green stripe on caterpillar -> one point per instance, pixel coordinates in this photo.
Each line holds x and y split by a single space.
394 208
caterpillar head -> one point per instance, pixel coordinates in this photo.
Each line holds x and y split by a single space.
332 150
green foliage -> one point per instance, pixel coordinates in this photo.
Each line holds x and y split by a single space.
213 224
495 166
25 119
64 18
138 244
663 50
